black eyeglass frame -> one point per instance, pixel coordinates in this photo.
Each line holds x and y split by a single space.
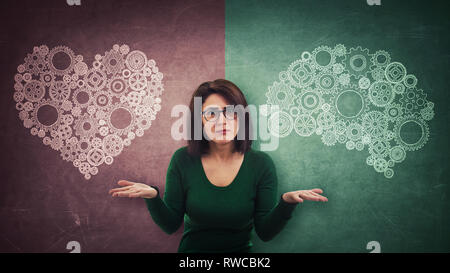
217 112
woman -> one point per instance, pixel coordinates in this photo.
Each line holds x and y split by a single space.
220 186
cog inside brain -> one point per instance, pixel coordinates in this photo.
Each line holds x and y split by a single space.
355 98
88 114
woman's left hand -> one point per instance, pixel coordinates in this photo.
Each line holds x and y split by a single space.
299 196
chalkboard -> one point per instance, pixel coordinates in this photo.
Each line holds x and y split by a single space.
46 204
366 211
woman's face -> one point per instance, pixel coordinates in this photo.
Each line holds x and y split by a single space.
214 127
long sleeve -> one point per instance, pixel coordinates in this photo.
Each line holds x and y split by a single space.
270 217
168 212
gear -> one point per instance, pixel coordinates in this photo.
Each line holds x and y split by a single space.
327 83
80 68
67 119
84 145
35 63
64 131
95 157
118 86
134 99
155 87
28 106
69 152
24 115
350 145
369 160
388 173
393 111
43 50
340 127
395 72
34 90
47 78
61 50
399 88
59 91
123 129
427 113
377 74
380 164
280 124
325 120
82 98
381 93
136 61
112 145
113 62
18 87
86 126
366 139
283 76
96 79
344 79
329 137
305 125
359 146
47 126
144 122
379 148
423 132
309 101
84 169
326 107
323 57
124 49
357 62
294 111
139 132
280 94
339 50
342 138
102 100
375 123
397 154
412 100
410 81
137 81
354 131
364 83
338 68
350 104
56 143
300 73
306 56
66 105
381 58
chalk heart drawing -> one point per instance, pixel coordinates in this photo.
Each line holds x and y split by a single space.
88 114
352 97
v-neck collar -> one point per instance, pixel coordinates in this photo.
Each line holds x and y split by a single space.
205 178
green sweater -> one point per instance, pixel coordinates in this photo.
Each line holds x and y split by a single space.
220 219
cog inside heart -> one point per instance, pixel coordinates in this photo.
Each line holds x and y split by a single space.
88 114
353 97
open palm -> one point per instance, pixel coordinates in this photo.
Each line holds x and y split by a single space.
133 189
301 195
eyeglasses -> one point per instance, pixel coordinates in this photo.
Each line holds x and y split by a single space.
212 113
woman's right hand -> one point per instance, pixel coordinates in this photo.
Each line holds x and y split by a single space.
133 189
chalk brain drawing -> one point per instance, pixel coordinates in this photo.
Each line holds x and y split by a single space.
353 97
88 114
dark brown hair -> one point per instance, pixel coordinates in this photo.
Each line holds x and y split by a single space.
234 96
